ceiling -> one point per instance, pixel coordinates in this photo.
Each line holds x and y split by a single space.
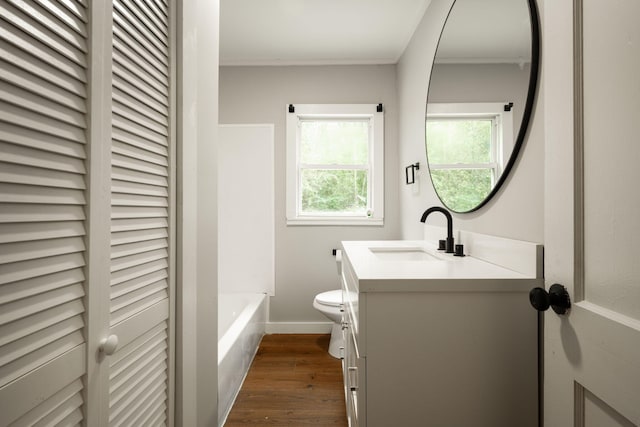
316 32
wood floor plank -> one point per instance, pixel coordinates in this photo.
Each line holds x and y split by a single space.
293 381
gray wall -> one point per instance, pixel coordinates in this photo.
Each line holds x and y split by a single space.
517 210
304 264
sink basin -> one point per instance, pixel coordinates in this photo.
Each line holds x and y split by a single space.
404 254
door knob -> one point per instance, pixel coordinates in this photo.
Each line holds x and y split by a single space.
109 345
557 298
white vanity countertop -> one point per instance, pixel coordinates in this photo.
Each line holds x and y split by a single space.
376 273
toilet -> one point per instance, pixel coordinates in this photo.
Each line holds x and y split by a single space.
329 303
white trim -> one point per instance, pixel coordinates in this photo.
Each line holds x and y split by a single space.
303 62
492 165
375 212
335 221
172 239
445 109
98 225
298 327
197 253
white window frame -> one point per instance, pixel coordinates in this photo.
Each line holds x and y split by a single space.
502 135
375 206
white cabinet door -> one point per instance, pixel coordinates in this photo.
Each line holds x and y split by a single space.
43 119
86 212
142 158
592 209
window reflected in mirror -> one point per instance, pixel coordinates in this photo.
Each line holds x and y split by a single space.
466 150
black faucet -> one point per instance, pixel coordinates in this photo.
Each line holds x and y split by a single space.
449 242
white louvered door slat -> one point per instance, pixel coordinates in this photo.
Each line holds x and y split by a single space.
65 401
140 218
56 298
43 122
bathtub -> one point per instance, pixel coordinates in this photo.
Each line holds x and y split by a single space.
241 325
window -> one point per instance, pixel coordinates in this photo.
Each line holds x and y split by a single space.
335 164
466 146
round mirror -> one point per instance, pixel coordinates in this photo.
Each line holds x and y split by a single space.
481 92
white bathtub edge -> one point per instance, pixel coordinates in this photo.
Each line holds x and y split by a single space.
239 346
222 417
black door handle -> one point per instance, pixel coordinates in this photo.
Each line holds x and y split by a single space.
557 298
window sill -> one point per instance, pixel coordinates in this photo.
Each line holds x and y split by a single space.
373 222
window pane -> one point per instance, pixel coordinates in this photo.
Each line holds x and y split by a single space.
459 140
334 191
334 142
462 189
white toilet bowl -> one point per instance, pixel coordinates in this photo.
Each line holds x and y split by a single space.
329 303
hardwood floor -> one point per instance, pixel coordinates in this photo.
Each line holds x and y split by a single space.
293 381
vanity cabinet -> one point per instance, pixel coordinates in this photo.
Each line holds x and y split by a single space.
437 350
353 366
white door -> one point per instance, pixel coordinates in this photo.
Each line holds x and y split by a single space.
592 211
44 86
86 212
142 214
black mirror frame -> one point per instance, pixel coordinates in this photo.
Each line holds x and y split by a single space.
528 109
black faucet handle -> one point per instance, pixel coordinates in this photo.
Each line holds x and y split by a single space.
448 247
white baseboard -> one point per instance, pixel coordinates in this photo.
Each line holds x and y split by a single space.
298 327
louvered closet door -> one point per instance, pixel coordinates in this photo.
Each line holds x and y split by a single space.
141 214
43 121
